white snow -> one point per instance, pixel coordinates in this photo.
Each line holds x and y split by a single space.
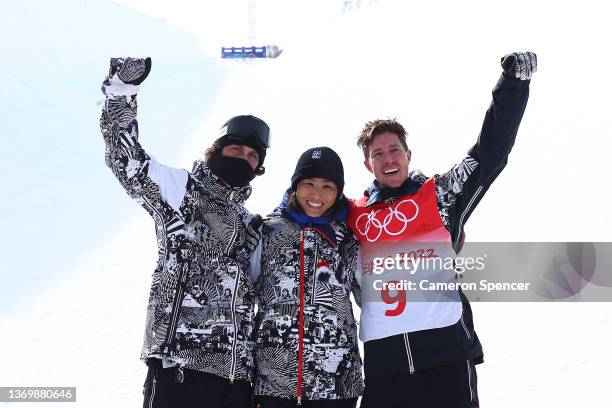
430 64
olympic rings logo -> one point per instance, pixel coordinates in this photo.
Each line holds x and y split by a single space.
372 227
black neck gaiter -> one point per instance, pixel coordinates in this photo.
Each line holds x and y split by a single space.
234 171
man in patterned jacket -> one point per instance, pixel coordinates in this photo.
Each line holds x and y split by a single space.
198 335
421 353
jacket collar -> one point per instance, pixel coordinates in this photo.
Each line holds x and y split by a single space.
217 187
377 193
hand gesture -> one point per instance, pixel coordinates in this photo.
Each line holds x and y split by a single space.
521 65
131 71
125 75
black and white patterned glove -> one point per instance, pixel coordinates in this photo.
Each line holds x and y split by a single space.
253 233
521 65
125 75
131 71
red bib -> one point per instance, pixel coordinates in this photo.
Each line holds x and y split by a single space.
410 218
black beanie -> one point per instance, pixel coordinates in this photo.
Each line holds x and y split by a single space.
321 162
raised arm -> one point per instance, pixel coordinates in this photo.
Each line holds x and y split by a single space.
461 189
143 178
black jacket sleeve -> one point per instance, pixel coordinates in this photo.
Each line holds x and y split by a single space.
461 189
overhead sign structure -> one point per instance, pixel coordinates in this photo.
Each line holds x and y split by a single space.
268 51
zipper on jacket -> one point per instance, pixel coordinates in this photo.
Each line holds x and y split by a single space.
179 374
233 305
178 302
301 322
313 295
233 312
467 332
409 353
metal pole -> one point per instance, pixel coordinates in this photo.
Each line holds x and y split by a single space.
252 22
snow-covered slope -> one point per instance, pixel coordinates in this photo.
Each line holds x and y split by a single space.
57 201
431 65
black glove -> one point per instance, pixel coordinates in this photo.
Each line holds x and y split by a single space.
520 65
130 70
253 233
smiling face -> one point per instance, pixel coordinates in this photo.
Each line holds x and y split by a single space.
316 195
242 152
388 160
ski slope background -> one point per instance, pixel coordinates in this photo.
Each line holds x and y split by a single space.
78 253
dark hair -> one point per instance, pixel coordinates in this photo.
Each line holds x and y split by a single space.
293 204
211 150
378 127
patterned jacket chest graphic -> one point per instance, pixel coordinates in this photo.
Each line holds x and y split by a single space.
306 332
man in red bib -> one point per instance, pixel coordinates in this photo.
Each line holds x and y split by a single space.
423 353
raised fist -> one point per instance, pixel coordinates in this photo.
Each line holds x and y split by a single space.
125 75
130 70
521 65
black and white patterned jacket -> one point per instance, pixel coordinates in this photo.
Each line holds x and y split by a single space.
201 303
306 341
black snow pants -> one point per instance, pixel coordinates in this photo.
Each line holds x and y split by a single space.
171 388
450 386
274 402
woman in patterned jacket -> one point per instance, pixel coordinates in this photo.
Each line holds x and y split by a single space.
306 350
